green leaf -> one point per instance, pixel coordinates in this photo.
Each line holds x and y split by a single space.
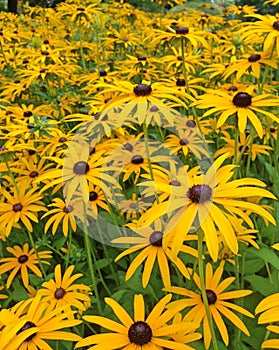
101 263
267 255
261 284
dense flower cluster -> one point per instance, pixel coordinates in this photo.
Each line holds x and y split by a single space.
139 155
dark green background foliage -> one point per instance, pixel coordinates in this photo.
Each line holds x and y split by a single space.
259 4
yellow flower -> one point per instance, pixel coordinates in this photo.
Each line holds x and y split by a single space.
217 300
208 202
137 333
23 260
242 104
61 291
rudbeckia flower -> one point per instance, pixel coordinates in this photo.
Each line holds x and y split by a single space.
250 64
269 308
12 335
150 241
22 260
206 202
267 26
217 300
139 332
21 206
62 212
242 104
61 291
46 325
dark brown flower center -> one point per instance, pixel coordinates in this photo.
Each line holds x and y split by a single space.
80 9
17 207
81 168
142 90
103 73
154 109
182 30
232 88
183 142
62 139
174 183
276 25
242 99
211 296
140 333
59 293
155 238
137 159
26 326
254 58
27 114
200 193
33 174
180 82
93 196
128 147
68 208
141 58
191 123
22 259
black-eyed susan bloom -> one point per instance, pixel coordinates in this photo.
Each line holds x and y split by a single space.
218 303
244 105
208 202
139 332
61 213
20 207
47 325
269 308
150 241
12 335
62 291
22 260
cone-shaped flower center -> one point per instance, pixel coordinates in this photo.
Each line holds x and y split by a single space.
142 90
211 296
81 168
174 183
182 30
137 159
254 58
141 58
154 109
183 142
17 207
140 333
191 123
242 99
62 139
276 25
128 147
26 326
200 193
33 174
59 293
27 114
93 196
22 259
155 238
232 88
180 82
68 209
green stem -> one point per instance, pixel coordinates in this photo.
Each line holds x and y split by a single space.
87 244
37 254
203 290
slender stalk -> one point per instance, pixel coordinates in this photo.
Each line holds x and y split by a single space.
36 252
87 244
203 290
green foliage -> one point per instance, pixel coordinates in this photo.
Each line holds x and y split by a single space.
260 5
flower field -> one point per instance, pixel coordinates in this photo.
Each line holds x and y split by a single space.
139 157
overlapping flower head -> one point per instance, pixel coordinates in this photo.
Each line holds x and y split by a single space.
153 134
